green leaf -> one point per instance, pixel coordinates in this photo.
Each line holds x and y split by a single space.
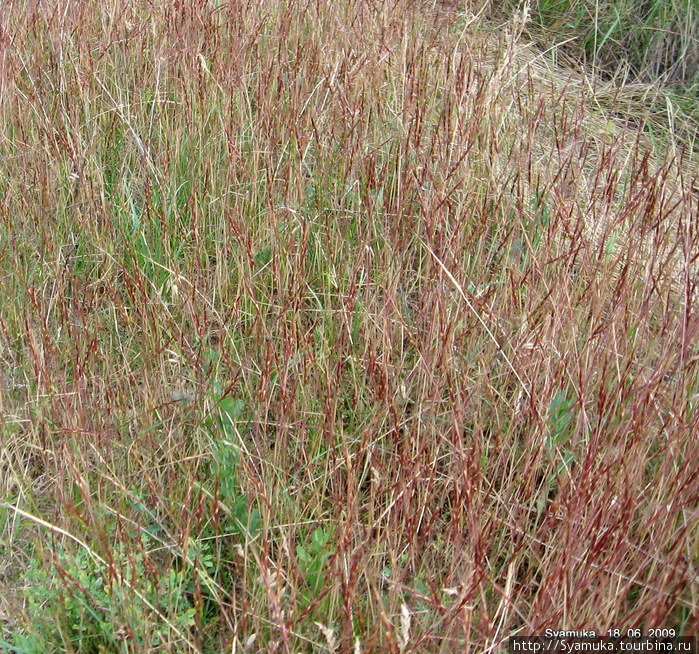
561 413
263 256
232 411
319 538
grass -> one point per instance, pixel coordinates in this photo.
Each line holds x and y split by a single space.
643 56
341 326
648 40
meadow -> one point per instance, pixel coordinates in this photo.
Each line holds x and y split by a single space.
346 326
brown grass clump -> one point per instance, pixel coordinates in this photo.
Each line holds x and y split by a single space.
343 325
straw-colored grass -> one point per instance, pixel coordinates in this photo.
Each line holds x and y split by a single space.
346 326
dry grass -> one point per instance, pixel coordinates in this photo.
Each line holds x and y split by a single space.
340 325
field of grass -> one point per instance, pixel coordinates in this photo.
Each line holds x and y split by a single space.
649 40
345 326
